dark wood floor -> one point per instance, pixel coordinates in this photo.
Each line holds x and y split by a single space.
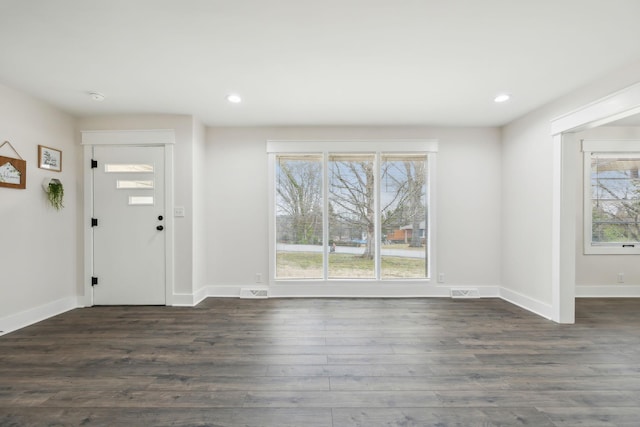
325 362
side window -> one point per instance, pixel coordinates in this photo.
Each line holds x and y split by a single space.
611 197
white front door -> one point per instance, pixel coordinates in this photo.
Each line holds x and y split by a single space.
129 238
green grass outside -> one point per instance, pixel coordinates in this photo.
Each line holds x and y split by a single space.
308 265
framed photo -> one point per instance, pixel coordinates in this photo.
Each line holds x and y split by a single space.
49 158
13 173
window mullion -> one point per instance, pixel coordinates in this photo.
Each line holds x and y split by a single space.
325 215
377 217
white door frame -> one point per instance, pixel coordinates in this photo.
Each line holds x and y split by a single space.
163 137
616 106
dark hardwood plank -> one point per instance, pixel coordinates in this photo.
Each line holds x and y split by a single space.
421 417
325 362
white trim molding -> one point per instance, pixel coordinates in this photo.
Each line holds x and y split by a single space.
160 137
190 300
33 315
376 148
29 317
129 137
426 145
530 304
618 105
608 291
352 290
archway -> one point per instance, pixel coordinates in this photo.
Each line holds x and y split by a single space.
614 107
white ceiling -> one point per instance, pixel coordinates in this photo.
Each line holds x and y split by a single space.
302 62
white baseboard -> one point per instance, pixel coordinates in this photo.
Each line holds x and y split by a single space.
530 304
352 290
226 291
28 317
189 300
182 300
200 295
608 291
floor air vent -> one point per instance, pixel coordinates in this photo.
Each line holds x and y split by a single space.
465 293
254 293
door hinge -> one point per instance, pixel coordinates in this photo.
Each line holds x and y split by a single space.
94 222
94 281
94 164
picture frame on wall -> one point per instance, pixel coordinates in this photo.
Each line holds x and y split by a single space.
49 158
13 173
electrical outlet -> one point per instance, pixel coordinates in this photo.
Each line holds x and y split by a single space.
440 277
620 277
258 277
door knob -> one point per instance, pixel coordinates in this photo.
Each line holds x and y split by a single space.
159 228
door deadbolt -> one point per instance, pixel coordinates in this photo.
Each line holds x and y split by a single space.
160 217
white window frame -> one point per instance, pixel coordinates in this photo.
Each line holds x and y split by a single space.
429 147
608 147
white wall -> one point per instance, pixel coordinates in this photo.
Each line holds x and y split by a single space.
494 203
183 185
526 209
199 211
602 270
38 250
527 188
468 199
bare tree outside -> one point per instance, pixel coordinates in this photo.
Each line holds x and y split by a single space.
354 184
404 210
351 206
299 211
300 198
351 197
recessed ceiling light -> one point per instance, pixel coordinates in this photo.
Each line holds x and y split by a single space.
502 97
96 96
234 99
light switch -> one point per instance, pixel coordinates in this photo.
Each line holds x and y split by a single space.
178 211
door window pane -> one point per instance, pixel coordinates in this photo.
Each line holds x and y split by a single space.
351 216
141 200
130 168
403 216
139 185
299 251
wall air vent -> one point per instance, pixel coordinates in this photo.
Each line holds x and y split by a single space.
465 293
254 293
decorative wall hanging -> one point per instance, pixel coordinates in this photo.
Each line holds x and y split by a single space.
13 172
55 192
49 158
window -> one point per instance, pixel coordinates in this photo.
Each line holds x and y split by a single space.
299 217
612 197
351 215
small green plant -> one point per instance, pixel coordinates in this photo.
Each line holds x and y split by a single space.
56 194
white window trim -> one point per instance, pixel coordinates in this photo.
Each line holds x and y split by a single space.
604 147
274 148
